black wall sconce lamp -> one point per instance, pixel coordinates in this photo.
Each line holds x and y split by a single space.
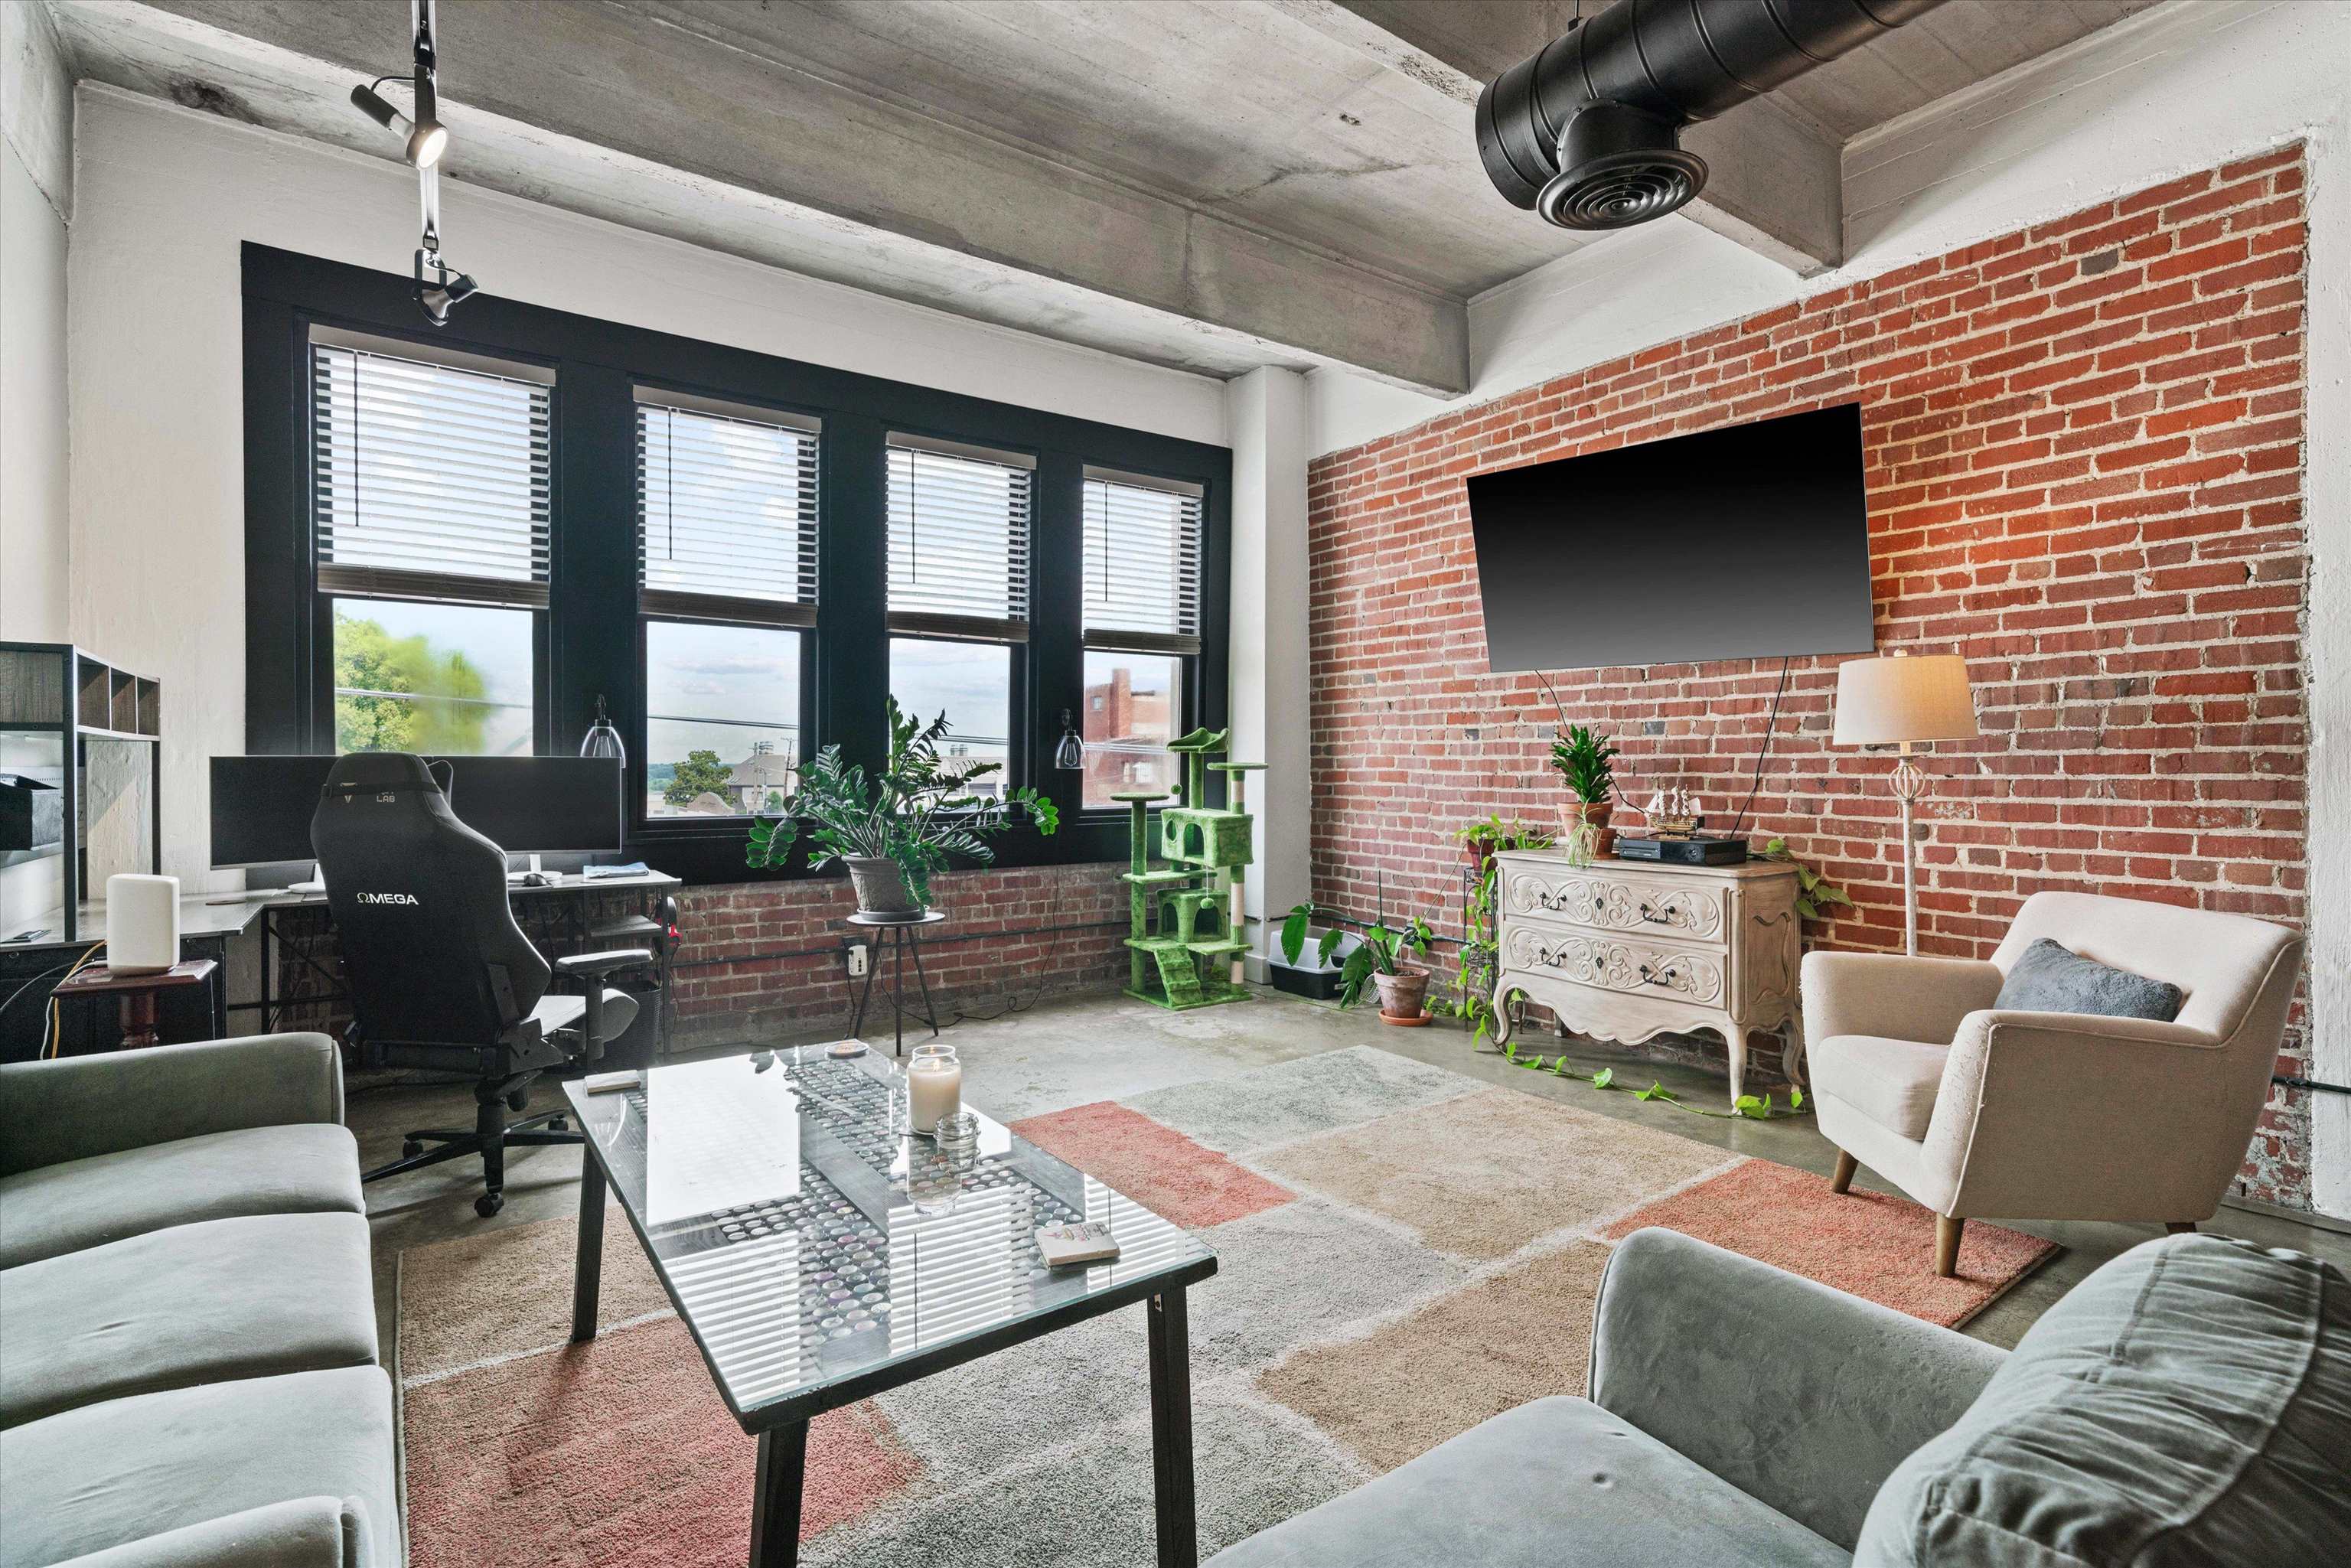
1071 752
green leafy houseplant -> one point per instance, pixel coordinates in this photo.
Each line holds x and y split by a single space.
1473 970
1587 761
1378 953
1817 898
917 811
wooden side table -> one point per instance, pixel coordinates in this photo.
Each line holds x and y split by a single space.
140 993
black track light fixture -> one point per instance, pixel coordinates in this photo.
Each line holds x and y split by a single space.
424 140
439 287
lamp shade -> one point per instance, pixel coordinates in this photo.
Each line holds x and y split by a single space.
1885 702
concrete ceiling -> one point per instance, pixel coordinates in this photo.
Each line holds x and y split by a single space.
1213 184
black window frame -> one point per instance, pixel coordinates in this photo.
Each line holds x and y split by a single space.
591 639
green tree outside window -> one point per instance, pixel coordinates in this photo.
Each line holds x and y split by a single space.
701 770
370 660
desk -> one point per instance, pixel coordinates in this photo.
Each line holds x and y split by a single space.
209 920
563 894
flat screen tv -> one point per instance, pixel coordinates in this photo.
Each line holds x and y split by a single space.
1747 542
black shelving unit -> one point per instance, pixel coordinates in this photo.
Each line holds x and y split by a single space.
57 701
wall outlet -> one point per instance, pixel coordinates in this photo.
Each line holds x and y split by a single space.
857 960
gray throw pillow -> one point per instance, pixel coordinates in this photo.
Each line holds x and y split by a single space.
2187 1404
2047 978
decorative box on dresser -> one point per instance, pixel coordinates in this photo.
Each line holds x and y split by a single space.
1628 950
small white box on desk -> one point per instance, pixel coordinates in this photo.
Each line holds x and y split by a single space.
142 924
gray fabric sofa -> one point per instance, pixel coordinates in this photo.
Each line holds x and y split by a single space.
1742 1415
188 1359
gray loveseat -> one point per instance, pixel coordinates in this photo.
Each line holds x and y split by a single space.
2187 1404
188 1370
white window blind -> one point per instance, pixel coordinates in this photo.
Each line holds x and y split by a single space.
959 527
428 480
727 512
1142 563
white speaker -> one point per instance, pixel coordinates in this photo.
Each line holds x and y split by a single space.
142 924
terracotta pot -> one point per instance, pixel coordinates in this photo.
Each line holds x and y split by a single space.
1403 995
1481 857
1598 814
881 891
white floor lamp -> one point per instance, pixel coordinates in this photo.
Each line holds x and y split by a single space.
1905 702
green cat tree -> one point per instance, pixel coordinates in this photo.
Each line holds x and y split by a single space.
1185 927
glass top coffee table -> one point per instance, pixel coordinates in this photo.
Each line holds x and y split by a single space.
818 1254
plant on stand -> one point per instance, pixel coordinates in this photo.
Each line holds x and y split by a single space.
895 830
1586 761
1378 958
1476 965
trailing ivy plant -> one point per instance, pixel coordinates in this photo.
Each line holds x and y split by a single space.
1474 966
1817 898
918 810
1747 1107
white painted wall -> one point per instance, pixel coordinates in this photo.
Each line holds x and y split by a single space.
2178 89
35 201
1268 636
165 196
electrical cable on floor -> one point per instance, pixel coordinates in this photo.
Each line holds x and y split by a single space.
1014 1004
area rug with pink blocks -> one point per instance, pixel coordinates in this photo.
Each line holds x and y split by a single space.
1404 1251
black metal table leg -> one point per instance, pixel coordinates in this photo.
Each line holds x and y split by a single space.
930 1013
898 993
776 1496
588 1264
1171 1431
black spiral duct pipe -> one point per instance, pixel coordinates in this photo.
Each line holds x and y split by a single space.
1586 131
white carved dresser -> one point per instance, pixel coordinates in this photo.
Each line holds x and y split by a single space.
1627 950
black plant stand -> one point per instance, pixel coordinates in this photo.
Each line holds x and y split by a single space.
902 943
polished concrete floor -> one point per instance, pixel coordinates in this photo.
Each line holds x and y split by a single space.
1075 1051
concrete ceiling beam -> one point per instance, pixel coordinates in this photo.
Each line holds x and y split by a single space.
1774 180
598 109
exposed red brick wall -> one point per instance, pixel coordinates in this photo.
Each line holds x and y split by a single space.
736 981
2084 454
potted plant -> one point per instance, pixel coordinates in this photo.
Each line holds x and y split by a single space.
1586 761
1378 958
895 829
1474 968
1486 837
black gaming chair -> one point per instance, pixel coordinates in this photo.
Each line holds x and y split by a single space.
440 975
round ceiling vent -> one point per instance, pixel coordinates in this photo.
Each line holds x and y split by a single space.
1618 166
1618 191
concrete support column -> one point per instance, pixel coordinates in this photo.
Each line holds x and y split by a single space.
1266 414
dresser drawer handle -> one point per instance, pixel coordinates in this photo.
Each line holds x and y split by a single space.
1663 977
1656 919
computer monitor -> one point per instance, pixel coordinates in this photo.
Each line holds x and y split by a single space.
262 806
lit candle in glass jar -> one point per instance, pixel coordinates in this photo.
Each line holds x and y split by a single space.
935 1080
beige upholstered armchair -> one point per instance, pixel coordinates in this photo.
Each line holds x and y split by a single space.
1976 1111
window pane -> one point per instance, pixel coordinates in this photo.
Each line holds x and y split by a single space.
727 507
958 536
1134 702
972 683
1142 560
722 724
452 680
426 468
